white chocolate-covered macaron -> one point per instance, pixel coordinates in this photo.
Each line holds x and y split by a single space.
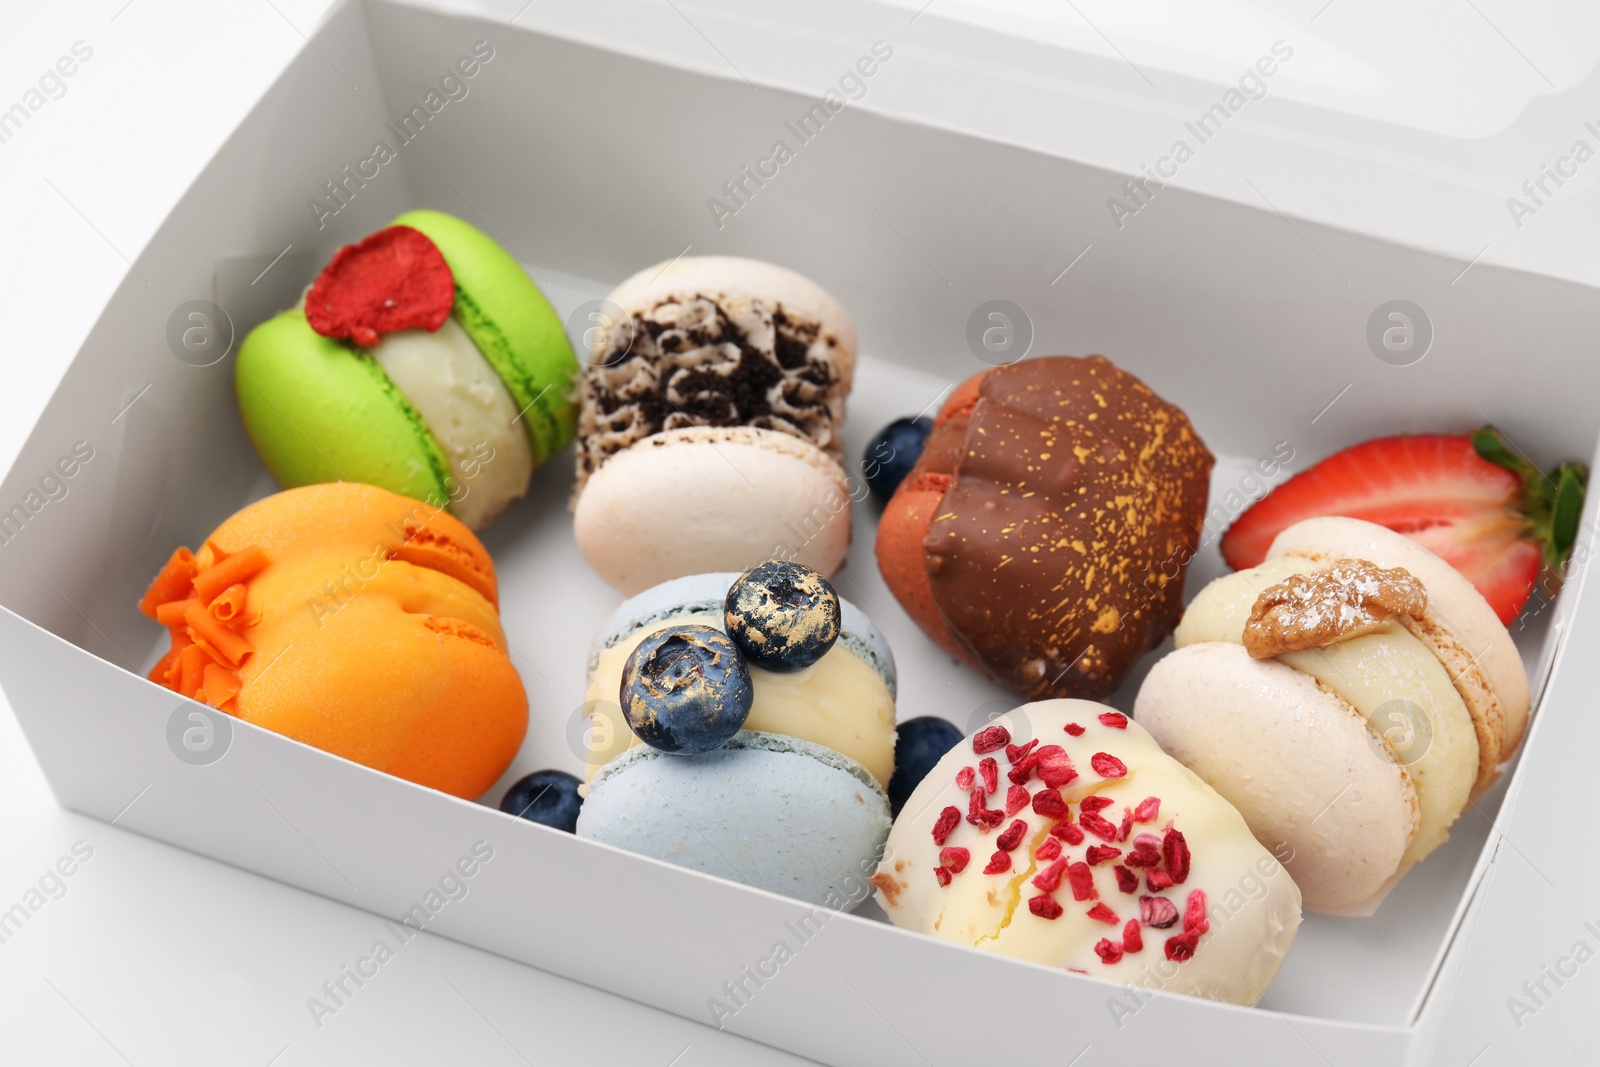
1062 834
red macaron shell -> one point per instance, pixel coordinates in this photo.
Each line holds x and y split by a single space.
395 279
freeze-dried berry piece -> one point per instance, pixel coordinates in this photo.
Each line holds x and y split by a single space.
990 739
1056 771
989 771
1048 802
949 819
1108 951
1127 881
1158 912
1132 936
1067 832
1182 947
1049 850
942 874
1108 766
1126 827
1158 880
1175 853
1095 803
1098 854
1143 857
395 279
1017 752
999 863
1147 810
1096 825
1049 879
1081 878
1101 913
965 777
1195 919
955 858
1114 719
1016 799
1074 729
981 815
1011 837
1044 907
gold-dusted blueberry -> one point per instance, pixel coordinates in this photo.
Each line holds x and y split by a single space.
686 689
783 616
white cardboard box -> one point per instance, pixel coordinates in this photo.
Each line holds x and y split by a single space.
589 164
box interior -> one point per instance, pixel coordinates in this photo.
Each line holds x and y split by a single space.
589 165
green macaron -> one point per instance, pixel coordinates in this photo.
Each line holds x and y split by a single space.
323 409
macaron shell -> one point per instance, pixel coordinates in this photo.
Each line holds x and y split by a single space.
693 500
375 636
1298 762
512 324
771 812
320 411
1460 627
733 275
1253 905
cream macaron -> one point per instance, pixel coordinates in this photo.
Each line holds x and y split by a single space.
713 409
1330 695
1062 834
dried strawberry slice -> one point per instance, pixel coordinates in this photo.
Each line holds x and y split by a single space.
1044 907
1158 912
1012 837
1097 825
942 874
1195 919
1000 863
395 279
1143 857
1108 951
1147 809
980 814
1057 771
1048 802
989 770
1104 914
1126 826
1098 854
949 819
1017 752
1175 852
955 858
1095 803
1108 766
1081 878
1074 729
964 779
1132 936
1182 947
1114 719
990 739
1127 881
1016 799
1067 832
1158 880
1049 850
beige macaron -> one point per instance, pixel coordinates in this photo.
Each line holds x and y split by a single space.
693 500
1459 626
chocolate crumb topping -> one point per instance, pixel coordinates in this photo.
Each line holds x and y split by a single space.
1058 551
1351 598
711 361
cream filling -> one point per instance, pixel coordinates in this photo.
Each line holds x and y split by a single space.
1397 684
840 702
469 411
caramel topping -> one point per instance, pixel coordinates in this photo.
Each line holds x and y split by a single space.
1351 598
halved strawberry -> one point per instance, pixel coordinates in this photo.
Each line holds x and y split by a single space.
1468 498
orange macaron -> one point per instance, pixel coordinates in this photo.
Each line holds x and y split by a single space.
355 620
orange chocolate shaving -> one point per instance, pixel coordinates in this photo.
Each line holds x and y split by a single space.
239 567
173 583
1351 598
207 630
229 604
219 686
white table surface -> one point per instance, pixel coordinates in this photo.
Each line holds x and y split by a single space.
156 956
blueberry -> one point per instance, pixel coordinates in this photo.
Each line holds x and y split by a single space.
783 616
547 797
921 743
686 689
893 453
